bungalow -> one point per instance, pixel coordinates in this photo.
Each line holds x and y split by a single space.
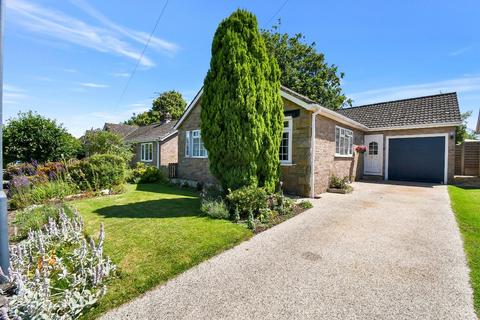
154 145
411 139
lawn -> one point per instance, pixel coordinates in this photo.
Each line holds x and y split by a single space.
466 204
153 233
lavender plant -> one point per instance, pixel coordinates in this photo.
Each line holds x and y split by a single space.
55 273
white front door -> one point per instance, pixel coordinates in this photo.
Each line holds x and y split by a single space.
373 164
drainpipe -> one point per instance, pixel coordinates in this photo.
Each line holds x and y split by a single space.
158 154
312 155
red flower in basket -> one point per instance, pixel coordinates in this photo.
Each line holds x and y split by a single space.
360 149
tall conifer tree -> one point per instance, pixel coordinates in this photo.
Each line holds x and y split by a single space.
242 110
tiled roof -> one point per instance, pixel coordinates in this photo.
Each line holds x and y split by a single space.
151 132
121 129
435 109
157 131
297 95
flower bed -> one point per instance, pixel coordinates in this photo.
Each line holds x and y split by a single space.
55 273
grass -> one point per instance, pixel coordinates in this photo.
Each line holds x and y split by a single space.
153 233
466 205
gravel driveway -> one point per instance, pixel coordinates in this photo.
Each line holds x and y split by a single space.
383 252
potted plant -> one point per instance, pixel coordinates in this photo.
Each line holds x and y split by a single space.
339 185
360 149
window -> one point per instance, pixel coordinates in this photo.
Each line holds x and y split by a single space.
343 142
373 148
194 145
286 142
146 152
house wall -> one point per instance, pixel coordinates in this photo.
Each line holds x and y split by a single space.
296 176
168 153
326 163
192 168
137 150
441 130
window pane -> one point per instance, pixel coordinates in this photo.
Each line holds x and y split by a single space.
283 153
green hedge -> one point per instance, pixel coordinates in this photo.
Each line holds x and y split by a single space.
98 172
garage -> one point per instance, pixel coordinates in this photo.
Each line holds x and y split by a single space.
417 158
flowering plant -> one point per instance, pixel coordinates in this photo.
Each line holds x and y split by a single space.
55 273
360 149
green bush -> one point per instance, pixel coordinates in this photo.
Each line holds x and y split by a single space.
249 199
145 174
305 204
41 193
339 183
98 172
35 218
216 209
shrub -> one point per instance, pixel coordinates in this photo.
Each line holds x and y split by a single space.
338 183
216 209
145 174
34 218
305 204
55 273
22 197
247 199
98 172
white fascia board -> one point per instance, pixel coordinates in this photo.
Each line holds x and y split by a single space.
189 109
168 136
417 126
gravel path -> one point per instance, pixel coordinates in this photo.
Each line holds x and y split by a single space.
382 252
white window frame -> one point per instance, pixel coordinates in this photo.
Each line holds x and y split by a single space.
190 137
347 134
144 152
288 130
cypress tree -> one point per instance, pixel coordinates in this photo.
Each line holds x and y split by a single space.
242 110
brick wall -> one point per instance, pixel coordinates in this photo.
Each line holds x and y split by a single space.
326 163
137 157
168 153
440 130
192 168
296 177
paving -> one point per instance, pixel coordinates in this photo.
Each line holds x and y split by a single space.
385 251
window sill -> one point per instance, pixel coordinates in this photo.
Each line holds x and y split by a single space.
343 156
192 157
287 164
146 160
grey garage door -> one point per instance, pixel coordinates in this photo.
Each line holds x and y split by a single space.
416 159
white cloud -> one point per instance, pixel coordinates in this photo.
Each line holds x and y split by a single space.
459 51
465 84
70 70
78 123
108 38
43 78
120 74
13 94
93 85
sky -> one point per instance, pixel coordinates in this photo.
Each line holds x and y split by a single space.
71 60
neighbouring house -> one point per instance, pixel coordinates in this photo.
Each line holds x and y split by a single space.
478 123
411 139
155 144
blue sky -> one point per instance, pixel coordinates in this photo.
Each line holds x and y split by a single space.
70 60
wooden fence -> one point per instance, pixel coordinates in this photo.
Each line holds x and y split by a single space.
467 158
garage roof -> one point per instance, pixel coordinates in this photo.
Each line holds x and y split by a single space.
428 110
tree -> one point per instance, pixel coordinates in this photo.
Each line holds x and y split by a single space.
168 103
33 137
304 70
106 142
462 132
241 106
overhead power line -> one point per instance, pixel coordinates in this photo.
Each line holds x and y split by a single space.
275 14
132 74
